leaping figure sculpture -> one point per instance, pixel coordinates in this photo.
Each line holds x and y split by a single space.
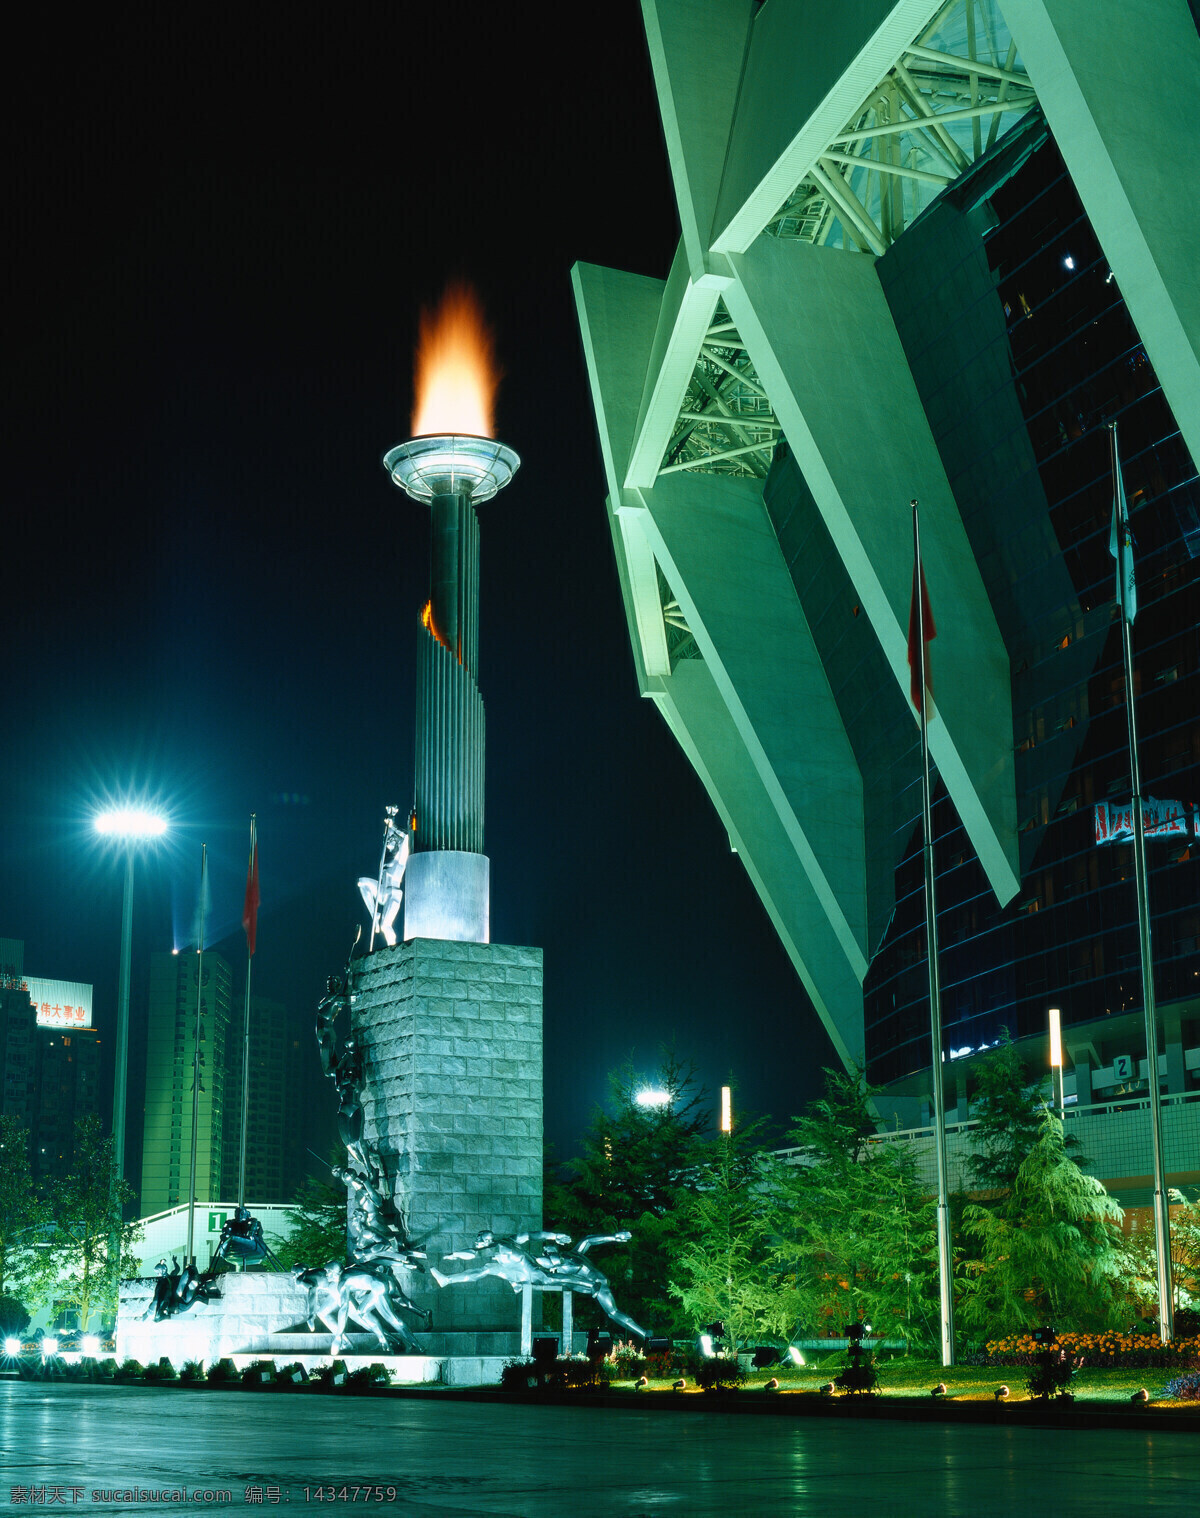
545 1268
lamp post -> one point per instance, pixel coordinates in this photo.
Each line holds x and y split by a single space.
128 827
1056 1060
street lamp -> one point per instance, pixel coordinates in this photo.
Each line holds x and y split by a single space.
131 827
1056 1059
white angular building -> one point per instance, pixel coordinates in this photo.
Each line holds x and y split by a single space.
842 331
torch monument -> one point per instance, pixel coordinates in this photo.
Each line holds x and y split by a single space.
449 1025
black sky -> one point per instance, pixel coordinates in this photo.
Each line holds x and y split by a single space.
223 227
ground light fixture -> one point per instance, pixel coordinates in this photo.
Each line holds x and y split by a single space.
12 1347
652 1096
90 1344
49 1348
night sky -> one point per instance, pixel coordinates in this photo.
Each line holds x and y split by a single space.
223 232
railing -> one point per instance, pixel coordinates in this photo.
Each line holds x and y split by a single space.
1072 1113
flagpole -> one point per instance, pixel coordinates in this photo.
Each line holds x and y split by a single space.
1123 547
248 924
945 1254
190 1257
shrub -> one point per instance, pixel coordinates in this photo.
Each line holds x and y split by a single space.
102 1370
859 1379
1052 1372
582 1375
332 1376
222 1373
163 1371
293 1375
1185 1388
720 1373
259 1373
368 1376
130 1370
628 1361
192 1372
520 1375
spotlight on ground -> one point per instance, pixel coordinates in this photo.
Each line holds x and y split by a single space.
12 1347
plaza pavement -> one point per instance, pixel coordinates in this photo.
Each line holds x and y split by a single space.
434 1458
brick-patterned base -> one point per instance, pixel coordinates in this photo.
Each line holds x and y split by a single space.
451 1035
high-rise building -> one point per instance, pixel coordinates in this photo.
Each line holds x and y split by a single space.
170 1052
928 253
49 1060
275 1154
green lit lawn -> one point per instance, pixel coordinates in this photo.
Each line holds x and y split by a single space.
916 1378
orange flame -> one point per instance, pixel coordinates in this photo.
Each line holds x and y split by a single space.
455 373
430 625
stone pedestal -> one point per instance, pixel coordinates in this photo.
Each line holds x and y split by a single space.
251 1307
451 1035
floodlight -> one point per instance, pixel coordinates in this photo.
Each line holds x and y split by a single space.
796 1357
49 1347
653 1096
706 1346
131 823
12 1346
726 1110
90 1345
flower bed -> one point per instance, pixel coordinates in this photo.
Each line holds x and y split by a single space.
1109 1351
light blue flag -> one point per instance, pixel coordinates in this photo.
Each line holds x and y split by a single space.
1120 542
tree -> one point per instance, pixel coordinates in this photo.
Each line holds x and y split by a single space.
1007 1108
22 1215
85 1209
635 1162
723 1271
1139 1264
860 1242
318 1221
1049 1251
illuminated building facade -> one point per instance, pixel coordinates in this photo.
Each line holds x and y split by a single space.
170 1050
49 1064
928 251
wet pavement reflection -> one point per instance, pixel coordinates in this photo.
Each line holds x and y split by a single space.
60 1445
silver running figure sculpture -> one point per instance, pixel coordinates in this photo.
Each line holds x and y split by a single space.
549 1266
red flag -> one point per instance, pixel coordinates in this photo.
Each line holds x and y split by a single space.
250 909
914 640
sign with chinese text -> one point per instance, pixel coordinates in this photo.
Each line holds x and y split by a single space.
1160 819
60 1003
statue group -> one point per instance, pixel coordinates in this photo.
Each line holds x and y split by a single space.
368 1288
